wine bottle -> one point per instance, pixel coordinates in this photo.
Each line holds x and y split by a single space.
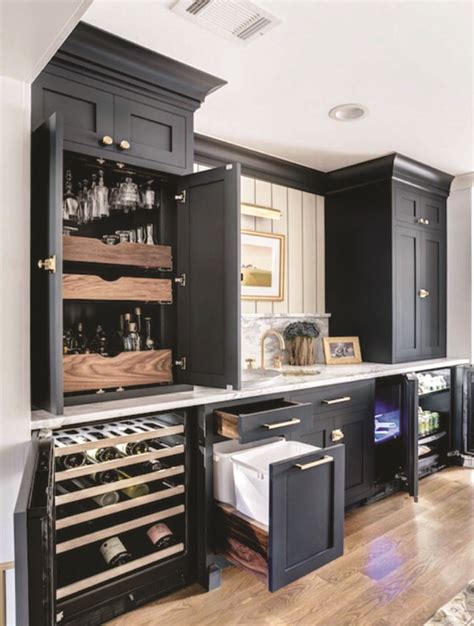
135 491
149 343
161 536
69 461
78 484
133 447
114 552
105 477
146 467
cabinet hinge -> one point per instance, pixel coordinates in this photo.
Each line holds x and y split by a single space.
180 280
49 264
181 363
181 197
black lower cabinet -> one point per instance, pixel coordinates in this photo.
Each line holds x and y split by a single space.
94 504
306 521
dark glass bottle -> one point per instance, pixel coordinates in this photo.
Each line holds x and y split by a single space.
114 552
69 461
161 536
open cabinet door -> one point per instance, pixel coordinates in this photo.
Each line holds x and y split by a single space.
209 261
410 432
465 431
46 266
34 524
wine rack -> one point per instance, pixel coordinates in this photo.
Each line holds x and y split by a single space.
144 462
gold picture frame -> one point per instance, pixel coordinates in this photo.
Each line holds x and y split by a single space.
341 350
262 261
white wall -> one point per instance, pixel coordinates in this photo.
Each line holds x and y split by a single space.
14 299
460 268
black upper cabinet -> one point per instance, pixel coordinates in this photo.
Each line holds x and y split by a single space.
122 101
386 258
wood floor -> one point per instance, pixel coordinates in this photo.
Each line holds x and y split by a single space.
402 562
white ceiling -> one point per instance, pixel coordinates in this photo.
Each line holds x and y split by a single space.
410 63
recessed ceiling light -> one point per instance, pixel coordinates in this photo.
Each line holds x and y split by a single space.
348 112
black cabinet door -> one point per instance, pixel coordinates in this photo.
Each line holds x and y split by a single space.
433 211
357 428
46 286
406 306
320 434
88 113
209 256
157 135
407 202
34 526
306 514
410 432
432 294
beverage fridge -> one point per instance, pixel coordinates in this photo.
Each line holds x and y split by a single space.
103 519
423 423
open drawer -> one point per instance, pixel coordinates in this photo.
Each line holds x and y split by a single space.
260 420
306 520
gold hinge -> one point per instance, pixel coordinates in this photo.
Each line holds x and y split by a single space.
180 280
181 197
49 264
181 363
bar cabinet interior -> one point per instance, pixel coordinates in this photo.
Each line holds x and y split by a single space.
182 273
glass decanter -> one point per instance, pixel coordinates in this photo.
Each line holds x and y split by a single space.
114 198
92 199
70 201
128 195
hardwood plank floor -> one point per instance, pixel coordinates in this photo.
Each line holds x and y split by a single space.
402 562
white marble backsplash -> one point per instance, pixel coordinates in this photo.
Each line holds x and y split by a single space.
255 324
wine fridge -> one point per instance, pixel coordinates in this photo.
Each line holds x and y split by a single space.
103 519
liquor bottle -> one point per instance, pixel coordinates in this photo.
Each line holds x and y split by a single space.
102 195
84 482
149 343
126 332
149 196
161 536
99 342
150 239
133 339
114 552
138 315
92 199
80 340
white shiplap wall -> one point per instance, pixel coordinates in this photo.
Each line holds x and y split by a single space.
302 223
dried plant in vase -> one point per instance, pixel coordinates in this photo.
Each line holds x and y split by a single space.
301 337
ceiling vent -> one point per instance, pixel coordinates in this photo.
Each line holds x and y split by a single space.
236 20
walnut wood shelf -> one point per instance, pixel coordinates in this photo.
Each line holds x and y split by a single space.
85 287
84 372
90 250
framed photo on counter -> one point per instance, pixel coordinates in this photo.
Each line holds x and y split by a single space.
341 350
262 266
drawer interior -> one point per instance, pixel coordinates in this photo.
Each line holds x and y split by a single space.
118 480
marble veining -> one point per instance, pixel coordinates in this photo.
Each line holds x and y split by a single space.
329 375
253 325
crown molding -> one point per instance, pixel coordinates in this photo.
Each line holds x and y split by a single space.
97 53
390 167
462 182
210 151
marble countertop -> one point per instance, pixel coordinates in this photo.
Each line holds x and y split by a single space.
328 375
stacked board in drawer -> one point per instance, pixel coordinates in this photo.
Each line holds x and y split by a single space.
120 499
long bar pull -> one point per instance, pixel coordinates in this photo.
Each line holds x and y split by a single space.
292 422
323 461
337 400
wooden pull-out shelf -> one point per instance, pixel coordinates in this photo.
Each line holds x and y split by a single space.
242 540
126 289
91 581
85 372
89 250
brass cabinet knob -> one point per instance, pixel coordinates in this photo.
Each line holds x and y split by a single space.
337 435
49 264
107 140
423 220
423 293
124 145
